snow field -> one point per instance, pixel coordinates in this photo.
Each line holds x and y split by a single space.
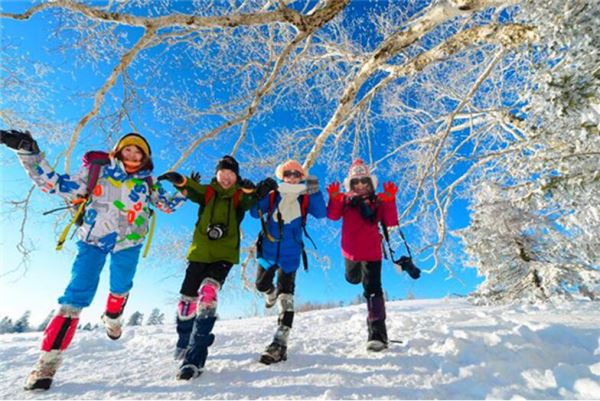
451 350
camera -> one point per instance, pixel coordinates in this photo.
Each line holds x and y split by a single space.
216 231
407 265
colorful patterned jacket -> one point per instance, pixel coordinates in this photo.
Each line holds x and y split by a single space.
117 214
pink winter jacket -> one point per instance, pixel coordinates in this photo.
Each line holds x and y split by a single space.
361 239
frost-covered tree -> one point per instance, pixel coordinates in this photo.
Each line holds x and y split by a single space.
156 318
439 96
6 325
534 231
136 319
22 324
516 251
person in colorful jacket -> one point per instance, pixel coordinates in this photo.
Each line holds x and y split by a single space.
115 223
214 250
362 211
280 245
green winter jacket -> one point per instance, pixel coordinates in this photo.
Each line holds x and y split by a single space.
219 208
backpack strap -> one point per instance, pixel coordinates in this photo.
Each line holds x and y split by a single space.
208 195
264 223
236 198
304 208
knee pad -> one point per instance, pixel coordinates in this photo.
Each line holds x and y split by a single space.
285 303
207 295
61 329
187 307
115 304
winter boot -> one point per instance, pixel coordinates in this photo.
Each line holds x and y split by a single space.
277 350
378 340
113 323
195 357
57 337
270 298
186 313
42 375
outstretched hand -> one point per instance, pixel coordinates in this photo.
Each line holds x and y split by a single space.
247 185
19 140
334 191
195 176
173 177
312 184
389 192
265 186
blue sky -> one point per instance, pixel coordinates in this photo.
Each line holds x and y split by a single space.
158 280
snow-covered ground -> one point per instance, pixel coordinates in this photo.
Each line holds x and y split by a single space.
451 350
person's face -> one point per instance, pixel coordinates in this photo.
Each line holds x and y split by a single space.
132 153
226 178
292 177
362 186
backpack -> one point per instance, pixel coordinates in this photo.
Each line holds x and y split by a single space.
304 201
94 160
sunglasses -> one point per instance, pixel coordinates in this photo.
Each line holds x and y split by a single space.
292 173
363 180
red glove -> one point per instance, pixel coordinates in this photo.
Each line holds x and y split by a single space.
334 191
390 190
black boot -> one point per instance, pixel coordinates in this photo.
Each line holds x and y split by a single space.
184 331
195 357
378 340
274 353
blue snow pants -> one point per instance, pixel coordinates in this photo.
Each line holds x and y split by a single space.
85 273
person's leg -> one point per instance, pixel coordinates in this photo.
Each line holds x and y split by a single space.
373 293
85 276
277 350
353 271
57 337
264 284
59 332
188 306
123 265
202 337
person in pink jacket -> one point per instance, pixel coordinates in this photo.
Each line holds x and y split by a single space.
362 211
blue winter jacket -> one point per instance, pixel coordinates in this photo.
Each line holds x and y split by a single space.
290 246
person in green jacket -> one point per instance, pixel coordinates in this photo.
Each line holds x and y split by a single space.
214 250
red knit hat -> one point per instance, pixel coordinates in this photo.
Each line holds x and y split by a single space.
359 169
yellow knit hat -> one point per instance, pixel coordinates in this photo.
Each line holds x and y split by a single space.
133 139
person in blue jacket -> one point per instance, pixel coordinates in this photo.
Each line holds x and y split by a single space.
280 246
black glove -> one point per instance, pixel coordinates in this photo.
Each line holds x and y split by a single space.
173 177
19 140
195 176
407 265
312 184
245 183
265 186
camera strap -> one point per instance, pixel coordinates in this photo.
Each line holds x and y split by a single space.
386 235
212 212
